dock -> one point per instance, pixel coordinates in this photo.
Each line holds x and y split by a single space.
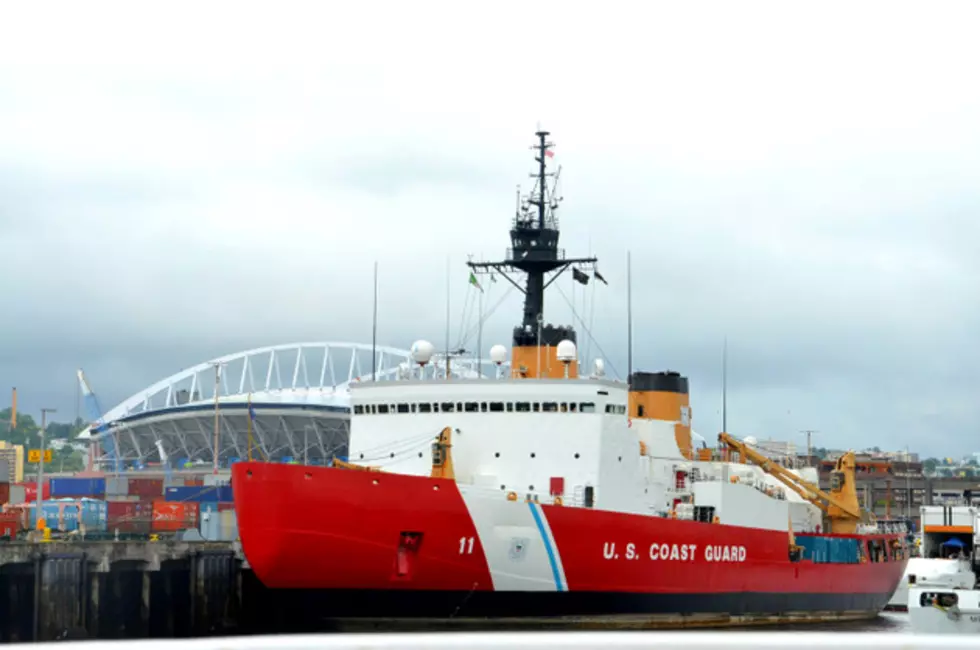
125 589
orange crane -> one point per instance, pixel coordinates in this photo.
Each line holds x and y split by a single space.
840 505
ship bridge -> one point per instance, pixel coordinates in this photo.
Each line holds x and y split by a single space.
285 403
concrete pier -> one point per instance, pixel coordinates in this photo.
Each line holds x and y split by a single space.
125 589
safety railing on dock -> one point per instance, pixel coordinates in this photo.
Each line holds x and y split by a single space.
554 640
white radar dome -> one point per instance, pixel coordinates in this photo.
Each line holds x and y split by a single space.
751 440
566 351
422 352
498 354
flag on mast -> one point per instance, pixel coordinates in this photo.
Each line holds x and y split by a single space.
474 281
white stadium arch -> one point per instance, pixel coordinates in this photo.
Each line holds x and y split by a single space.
299 395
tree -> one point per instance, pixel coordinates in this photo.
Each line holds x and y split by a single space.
929 465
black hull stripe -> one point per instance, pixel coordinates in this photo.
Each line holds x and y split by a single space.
347 604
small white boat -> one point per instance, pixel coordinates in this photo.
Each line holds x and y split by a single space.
947 601
949 573
945 530
938 610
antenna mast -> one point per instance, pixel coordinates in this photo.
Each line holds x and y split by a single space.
724 387
629 318
374 328
534 251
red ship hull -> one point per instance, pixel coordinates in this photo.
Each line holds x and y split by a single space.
369 544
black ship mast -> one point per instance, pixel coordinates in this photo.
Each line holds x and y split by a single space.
534 251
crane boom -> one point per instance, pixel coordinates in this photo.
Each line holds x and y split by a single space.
840 504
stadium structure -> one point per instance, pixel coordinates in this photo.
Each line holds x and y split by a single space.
284 403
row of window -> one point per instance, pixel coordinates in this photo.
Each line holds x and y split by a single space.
486 407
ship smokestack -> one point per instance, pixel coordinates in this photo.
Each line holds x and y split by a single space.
663 396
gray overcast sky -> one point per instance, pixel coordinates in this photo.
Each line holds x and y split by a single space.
183 184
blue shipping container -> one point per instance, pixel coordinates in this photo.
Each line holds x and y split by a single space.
64 514
77 487
837 550
199 493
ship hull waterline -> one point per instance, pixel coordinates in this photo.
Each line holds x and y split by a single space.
364 548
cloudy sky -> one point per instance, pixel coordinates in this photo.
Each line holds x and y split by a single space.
184 184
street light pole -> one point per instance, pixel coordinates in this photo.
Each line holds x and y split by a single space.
39 513
809 445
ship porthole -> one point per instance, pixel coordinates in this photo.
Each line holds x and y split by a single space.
374 482
532 454
392 454
576 455
420 454
435 487
308 476
248 473
497 455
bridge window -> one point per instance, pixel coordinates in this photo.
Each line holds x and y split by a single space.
536 406
573 407
497 407
610 408
523 407
549 407
510 406
413 408
358 409
483 407
587 407
448 407
425 407
382 408
403 408
472 407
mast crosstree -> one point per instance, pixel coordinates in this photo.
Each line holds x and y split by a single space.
534 251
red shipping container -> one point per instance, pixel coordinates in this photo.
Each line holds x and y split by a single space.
9 524
225 506
196 482
129 516
175 515
5 492
149 488
30 490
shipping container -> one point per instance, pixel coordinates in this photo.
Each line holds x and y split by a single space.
217 479
65 514
18 494
4 492
77 487
219 526
10 524
148 488
194 481
204 493
116 486
837 550
30 490
129 516
175 515
215 506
